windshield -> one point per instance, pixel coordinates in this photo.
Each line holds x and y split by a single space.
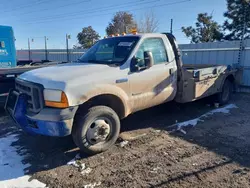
111 50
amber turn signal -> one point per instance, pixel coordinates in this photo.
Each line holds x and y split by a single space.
62 104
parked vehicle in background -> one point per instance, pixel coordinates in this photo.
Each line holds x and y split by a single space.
113 79
9 68
7 47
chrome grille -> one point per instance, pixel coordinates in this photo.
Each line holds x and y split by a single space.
34 95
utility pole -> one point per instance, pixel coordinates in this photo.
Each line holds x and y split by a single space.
67 46
29 49
171 26
46 51
244 28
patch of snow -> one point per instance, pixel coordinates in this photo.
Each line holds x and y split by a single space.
11 166
225 110
138 136
92 185
194 122
155 170
81 166
86 171
74 162
22 182
123 143
216 105
157 131
184 132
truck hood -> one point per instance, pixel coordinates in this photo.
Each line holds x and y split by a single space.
58 77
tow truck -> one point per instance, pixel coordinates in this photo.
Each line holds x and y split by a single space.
116 77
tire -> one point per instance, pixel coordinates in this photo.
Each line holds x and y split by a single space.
96 130
225 95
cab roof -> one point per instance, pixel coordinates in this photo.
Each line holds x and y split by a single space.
140 35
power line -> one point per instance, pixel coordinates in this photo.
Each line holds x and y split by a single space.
155 6
26 5
101 9
58 7
93 9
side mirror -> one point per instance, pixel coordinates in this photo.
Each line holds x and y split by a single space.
142 64
148 59
134 65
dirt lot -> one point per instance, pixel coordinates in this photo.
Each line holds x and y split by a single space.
215 153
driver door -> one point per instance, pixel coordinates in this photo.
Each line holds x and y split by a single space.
155 85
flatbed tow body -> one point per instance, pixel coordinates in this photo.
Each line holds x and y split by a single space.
203 80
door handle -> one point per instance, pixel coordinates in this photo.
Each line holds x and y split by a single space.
171 71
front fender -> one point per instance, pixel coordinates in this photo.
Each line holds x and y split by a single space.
102 89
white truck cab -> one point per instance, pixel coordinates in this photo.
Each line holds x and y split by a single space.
114 78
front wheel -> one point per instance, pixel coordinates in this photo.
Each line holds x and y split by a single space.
97 130
226 93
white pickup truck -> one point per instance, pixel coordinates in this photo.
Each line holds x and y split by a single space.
114 78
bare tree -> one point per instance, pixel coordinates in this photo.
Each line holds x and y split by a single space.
148 23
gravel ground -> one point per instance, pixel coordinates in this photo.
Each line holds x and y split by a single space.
150 152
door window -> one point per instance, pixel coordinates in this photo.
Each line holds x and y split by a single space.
154 45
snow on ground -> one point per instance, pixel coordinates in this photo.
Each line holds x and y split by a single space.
73 162
195 121
11 166
81 166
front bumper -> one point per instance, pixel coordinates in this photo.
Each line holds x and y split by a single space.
49 121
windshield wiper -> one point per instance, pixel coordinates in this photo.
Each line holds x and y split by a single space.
92 61
104 62
79 60
88 61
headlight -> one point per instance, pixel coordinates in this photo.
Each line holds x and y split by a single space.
55 98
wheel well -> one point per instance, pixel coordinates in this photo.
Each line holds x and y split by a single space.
109 100
230 78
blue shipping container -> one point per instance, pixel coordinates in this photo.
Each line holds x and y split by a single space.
7 47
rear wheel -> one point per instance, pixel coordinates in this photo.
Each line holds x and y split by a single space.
225 95
96 130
